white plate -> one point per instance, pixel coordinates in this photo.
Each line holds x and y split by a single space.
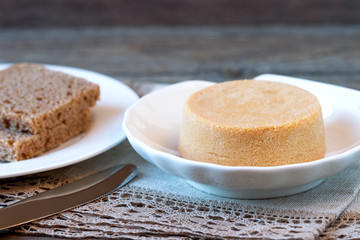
105 132
152 126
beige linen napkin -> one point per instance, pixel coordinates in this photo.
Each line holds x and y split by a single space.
156 204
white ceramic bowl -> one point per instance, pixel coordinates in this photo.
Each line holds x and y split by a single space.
152 126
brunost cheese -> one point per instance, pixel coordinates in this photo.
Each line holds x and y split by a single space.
252 123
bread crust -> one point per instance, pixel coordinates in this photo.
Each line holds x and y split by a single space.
15 146
34 99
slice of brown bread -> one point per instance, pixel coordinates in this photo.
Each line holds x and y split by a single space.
16 146
34 99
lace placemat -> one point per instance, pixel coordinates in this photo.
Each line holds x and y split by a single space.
347 226
158 205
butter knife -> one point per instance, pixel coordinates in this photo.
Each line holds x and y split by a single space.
66 196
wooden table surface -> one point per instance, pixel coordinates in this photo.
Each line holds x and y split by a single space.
138 55
173 54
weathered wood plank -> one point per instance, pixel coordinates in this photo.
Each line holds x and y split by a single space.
172 54
44 13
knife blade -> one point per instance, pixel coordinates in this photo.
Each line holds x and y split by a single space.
67 196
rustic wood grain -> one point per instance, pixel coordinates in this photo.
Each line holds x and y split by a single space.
173 54
44 13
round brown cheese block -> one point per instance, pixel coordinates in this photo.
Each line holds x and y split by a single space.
252 123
